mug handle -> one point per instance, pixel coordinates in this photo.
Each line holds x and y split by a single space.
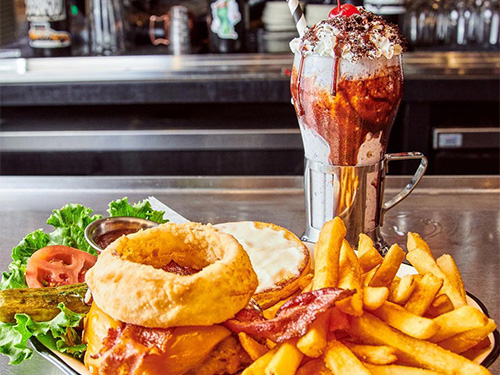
419 173
152 23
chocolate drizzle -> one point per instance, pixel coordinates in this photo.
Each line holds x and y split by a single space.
299 84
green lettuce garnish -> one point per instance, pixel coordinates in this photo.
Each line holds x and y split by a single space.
143 210
57 334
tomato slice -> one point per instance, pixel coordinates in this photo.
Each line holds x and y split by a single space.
58 265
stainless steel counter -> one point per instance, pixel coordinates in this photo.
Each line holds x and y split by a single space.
417 65
233 78
456 215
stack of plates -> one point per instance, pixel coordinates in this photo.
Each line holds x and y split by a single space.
277 17
317 12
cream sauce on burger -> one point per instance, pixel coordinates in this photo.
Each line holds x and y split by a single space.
273 256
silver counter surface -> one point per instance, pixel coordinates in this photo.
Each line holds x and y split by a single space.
456 215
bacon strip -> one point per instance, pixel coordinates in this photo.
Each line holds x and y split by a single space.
292 319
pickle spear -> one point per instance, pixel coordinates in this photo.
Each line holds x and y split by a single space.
41 303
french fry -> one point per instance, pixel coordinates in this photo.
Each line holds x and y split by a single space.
314 367
259 366
389 267
285 361
477 349
424 294
401 291
254 349
468 339
374 297
457 321
341 361
313 343
450 269
368 256
425 263
305 281
398 370
350 278
418 353
414 241
368 276
441 304
338 320
327 253
374 354
406 322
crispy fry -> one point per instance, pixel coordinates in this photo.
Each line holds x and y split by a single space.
425 292
450 269
425 263
389 267
368 276
457 321
375 354
313 343
466 340
327 253
401 291
285 361
414 241
369 257
252 347
350 278
338 320
314 367
477 349
414 352
406 322
341 361
441 304
259 366
306 280
374 297
398 370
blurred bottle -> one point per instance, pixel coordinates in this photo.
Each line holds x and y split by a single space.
49 28
107 25
227 20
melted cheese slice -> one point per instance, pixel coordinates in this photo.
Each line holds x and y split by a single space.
273 256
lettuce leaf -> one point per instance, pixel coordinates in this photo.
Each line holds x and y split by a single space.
31 243
70 222
57 334
142 210
15 278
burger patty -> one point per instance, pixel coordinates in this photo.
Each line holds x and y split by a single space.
228 357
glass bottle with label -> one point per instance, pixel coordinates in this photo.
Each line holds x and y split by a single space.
227 23
49 32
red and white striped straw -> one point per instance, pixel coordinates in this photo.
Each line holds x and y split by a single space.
298 16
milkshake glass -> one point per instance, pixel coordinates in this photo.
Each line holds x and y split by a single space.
346 85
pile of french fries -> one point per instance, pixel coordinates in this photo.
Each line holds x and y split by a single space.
418 324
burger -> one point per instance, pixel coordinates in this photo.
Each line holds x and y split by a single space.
162 297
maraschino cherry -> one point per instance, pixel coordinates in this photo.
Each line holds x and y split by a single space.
343 10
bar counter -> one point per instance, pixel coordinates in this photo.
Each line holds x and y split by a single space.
456 215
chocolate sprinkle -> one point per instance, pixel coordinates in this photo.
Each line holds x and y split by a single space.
355 33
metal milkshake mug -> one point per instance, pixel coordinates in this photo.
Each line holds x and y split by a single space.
345 112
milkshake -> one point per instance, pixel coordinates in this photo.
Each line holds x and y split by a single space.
346 85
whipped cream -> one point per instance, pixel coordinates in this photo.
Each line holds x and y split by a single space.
363 35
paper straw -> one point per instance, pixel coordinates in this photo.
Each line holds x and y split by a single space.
298 16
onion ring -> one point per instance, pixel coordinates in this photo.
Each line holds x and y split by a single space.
127 281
